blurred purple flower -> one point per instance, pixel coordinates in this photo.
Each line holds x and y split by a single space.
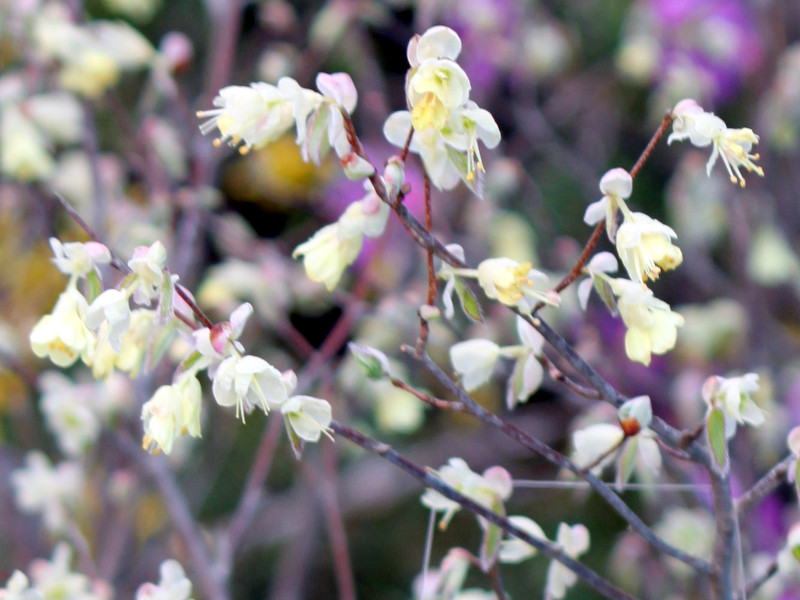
718 37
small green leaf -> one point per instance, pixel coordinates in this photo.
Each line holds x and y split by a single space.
159 345
796 553
294 440
93 286
797 477
715 427
459 160
627 461
469 303
165 302
606 294
490 543
373 362
187 363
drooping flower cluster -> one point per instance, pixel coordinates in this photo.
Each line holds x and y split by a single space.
705 129
628 443
645 248
644 245
490 489
252 116
475 360
336 246
571 540
447 125
106 334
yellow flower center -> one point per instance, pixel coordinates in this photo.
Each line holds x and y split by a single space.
429 113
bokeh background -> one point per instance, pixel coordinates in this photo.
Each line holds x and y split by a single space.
577 87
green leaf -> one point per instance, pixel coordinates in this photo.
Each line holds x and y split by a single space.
373 362
294 440
797 477
490 543
165 302
159 345
93 286
715 427
796 553
606 294
469 304
459 160
187 363
627 461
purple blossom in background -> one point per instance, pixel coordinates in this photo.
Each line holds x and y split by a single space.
718 38
485 28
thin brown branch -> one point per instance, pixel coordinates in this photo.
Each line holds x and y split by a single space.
540 448
335 523
584 573
575 272
559 376
764 486
423 322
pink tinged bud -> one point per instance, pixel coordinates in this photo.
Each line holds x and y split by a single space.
394 175
355 167
219 335
178 51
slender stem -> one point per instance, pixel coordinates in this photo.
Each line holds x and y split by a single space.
759 580
407 145
558 459
248 502
598 230
335 522
550 550
497 582
184 523
648 150
429 400
423 322
764 486
607 392
723 553
557 375
116 262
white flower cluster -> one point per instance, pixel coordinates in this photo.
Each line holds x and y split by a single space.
172 585
336 246
734 397
107 335
629 444
447 125
645 247
475 361
571 540
253 116
491 489
704 129
30 127
55 579
50 491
